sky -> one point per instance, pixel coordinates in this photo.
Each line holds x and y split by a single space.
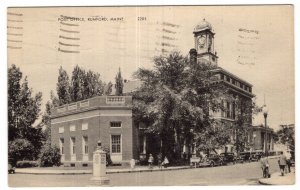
138 35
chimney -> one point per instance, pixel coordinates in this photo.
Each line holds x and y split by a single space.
193 56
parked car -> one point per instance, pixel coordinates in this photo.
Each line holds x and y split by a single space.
246 156
257 155
11 166
212 160
228 157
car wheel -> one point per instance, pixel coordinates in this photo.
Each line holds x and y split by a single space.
212 164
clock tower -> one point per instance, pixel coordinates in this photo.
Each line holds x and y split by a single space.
204 42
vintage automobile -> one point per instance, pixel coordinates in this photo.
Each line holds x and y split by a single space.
246 156
11 166
228 157
211 160
257 155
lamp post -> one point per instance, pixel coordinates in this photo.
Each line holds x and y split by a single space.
265 112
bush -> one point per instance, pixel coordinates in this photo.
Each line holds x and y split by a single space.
27 164
49 156
20 149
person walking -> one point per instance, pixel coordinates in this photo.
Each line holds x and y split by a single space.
288 160
264 161
150 161
282 163
165 162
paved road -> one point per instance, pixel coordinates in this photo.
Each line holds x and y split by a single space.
239 174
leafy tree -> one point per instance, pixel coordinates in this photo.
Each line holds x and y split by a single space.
46 117
119 83
23 107
286 135
85 85
63 87
108 88
20 149
50 156
77 84
174 101
92 85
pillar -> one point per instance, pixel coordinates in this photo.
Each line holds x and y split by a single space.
144 144
99 167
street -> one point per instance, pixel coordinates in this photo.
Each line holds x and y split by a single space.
238 174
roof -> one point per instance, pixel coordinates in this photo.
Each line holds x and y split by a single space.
203 25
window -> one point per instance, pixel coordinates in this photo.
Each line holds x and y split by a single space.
228 110
61 130
61 145
228 78
233 111
85 126
115 143
115 124
72 145
72 128
222 76
85 147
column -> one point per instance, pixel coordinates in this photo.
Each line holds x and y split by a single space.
144 144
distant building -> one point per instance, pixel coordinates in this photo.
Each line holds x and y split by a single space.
76 128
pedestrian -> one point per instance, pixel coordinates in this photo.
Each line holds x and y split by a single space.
165 162
282 163
264 161
288 161
150 161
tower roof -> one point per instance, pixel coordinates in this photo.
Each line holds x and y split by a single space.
203 25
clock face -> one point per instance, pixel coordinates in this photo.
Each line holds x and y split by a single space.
201 41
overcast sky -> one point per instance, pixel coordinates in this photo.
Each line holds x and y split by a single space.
129 44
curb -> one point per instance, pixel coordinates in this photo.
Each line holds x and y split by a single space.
263 181
90 171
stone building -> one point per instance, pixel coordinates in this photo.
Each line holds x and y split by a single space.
204 51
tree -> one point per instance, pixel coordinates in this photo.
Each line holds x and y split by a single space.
286 135
119 83
20 149
108 88
77 84
92 85
63 87
174 101
50 156
85 85
23 108
23 111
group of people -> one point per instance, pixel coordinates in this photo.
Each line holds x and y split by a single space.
159 159
284 163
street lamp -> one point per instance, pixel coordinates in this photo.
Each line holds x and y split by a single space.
265 112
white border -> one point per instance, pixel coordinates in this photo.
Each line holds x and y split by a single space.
3 66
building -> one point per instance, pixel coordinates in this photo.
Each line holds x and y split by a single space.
239 88
77 127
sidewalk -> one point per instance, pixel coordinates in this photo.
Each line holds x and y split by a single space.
60 171
277 179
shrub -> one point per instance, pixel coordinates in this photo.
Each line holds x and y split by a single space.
49 156
27 164
20 149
